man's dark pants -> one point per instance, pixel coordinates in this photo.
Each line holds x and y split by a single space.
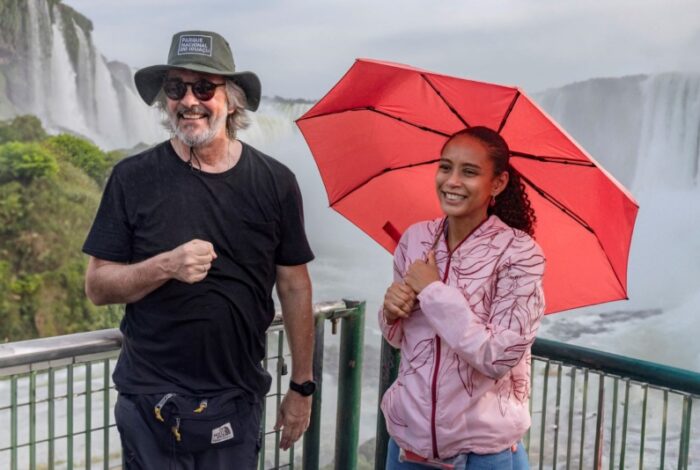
142 452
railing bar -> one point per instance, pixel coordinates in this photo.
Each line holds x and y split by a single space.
105 415
22 404
613 425
59 437
663 431
261 460
544 412
526 438
13 425
312 436
643 430
280 350
556 418
32 420
684 444
647 372
52 417
291 457
88 416
347 428
583 418
623 443
600 423
69 418
569 433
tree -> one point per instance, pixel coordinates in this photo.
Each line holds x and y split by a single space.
25 162
81 154
49 192
25 128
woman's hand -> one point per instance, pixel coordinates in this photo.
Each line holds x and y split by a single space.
422 273
398 302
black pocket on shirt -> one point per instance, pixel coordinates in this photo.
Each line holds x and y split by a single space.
254 242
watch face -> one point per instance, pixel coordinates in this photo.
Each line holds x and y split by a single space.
307 388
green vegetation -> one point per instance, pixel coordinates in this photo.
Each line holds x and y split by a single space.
49 191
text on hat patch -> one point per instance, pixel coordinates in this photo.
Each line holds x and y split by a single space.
194 44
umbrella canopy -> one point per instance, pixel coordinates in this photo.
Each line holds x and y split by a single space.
377 136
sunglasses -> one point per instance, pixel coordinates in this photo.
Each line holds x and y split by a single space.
202 89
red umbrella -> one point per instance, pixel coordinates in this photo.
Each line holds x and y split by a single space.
377 135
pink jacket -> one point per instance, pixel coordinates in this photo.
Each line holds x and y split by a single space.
464 379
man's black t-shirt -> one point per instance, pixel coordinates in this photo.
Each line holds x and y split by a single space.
208 336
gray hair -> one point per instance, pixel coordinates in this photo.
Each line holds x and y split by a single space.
235 97
239 118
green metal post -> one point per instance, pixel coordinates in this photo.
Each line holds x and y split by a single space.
261 457
13 425
556 418
684 444
613 425
663 432
32 420
347 431
642 433
390 359
583 419
623 444
312 437
69 418
88 416
526 439
106 409
600 424
570 432
543 423
281 369
52 417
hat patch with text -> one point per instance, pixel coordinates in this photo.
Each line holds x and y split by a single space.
195 44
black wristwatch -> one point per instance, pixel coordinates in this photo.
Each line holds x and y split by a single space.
306 389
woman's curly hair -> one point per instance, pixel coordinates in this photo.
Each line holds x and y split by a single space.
512 205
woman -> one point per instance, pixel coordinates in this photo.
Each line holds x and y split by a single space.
464 308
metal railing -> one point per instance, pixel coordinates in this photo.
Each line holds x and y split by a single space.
589 409
56 397
597 410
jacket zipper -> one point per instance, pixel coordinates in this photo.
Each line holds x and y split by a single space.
435 375
438 341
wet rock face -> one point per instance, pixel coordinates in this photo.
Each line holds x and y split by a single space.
49 67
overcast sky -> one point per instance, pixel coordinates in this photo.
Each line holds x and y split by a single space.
300 48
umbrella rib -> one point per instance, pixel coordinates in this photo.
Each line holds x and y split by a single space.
508 111
579 220
385 170
383 113
557 204
447 103
562 160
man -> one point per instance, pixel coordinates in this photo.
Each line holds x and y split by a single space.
191 235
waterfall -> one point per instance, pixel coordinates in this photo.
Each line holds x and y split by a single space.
38 21
81 96
669 147
109 123
644 129
63 102
86 76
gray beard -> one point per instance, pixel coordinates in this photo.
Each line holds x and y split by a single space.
200 139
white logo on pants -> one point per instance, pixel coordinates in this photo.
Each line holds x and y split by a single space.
222 433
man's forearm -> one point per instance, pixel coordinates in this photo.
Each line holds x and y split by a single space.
117 283
294 291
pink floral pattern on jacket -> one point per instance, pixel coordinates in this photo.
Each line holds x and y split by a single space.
483 320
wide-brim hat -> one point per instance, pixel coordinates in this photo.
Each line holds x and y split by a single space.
199 51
